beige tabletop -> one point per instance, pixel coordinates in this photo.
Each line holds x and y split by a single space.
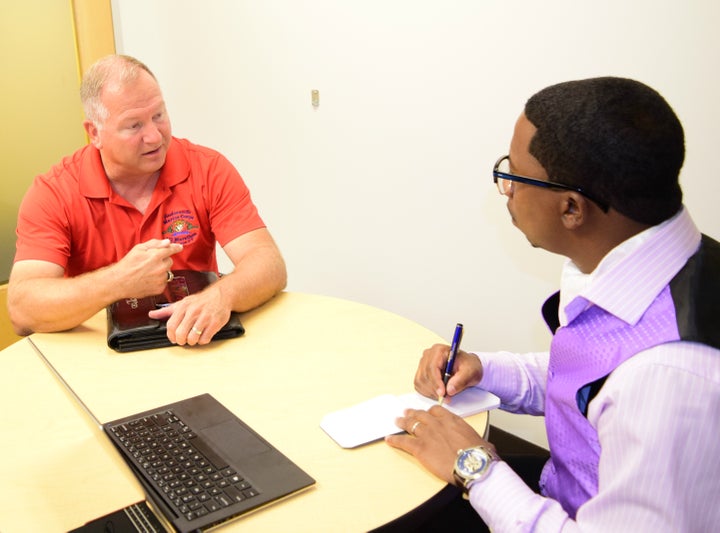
302 357
51 453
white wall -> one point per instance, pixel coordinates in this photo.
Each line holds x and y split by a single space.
384 194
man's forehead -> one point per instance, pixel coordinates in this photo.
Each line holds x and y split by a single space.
135 97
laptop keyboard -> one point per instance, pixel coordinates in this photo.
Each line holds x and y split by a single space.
194 479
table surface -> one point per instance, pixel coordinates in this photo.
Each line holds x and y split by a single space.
302 356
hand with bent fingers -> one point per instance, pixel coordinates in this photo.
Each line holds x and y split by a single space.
434 438
196 318
467 372
144 269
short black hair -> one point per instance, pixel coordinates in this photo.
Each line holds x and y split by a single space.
616 138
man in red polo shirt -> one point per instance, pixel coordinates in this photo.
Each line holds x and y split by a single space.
111 220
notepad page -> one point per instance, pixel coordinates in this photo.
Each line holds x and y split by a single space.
469 402
375 418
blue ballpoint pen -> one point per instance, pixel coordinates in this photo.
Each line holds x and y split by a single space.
454 347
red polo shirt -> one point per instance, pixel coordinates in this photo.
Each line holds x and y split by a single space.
72 217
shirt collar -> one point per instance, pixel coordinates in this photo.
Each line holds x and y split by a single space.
92 179
94 182
640 266
176 168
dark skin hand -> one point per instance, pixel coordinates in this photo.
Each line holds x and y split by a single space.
437 438
467 372
434 437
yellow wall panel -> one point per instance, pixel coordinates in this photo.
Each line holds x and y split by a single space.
94 30
40 105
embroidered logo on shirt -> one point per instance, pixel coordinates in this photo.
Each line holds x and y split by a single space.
179 227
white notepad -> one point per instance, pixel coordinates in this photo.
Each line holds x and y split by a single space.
375 418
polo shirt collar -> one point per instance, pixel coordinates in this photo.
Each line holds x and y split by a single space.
177 167
93 181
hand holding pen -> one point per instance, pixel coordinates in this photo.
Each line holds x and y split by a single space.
454 347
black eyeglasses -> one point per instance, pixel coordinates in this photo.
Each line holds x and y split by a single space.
503 179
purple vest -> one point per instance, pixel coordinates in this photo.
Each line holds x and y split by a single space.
591 346
594 343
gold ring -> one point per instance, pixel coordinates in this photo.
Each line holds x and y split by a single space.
170 276
414 426
197 331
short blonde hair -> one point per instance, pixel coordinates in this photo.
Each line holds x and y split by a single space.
121 69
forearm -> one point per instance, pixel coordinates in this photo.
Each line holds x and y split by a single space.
518 379
507 504
45 304
255 279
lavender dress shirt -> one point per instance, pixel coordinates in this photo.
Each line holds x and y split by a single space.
664 400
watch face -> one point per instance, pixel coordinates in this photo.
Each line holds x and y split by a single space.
472 462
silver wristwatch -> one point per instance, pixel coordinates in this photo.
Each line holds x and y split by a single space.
473 464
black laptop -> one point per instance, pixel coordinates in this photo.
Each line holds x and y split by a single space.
201 465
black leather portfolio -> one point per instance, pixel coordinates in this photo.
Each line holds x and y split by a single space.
129 328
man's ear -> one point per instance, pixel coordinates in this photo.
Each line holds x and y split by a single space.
93 133
574 210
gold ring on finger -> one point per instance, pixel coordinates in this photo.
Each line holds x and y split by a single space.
414 427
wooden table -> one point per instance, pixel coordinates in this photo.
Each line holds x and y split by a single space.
302 356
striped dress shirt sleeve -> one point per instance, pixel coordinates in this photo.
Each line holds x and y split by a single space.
658 421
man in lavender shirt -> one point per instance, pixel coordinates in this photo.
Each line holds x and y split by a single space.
630 387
